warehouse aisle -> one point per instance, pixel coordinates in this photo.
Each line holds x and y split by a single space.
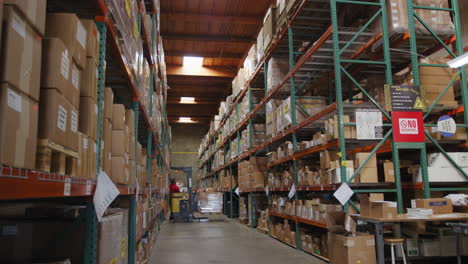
221 243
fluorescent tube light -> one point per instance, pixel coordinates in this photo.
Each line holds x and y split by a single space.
458 61
192 61
187 100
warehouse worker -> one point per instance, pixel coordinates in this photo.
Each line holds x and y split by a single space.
173 188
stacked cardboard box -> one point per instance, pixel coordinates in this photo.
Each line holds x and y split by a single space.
283 231
113 237
20 68
314 242
331 127
120 171
269 28
263 221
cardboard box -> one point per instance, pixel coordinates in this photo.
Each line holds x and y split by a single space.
20 54
130 121
18 128
57 70
374 206
429 247
122 148
119 170
89 80
269 28
34 12
108 103
326 157
53 114
70 30
92 39
88 117
118 117
71 138
389 171
351 249
113 238
362 156
438 205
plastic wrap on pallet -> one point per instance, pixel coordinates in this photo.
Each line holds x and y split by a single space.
439 21
238 84
250 61
305 107
210 202
260 48
271 121
277 69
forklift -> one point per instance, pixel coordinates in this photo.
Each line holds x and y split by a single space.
183 204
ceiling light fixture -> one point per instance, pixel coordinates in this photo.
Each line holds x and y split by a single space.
458 61
192 61
186 120
187 100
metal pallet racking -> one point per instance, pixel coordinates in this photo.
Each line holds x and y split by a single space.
331 66
17 184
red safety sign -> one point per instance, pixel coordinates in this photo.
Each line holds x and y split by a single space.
408 127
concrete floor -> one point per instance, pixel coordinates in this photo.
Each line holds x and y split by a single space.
222 243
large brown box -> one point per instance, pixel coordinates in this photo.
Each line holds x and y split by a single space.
20 54
53 115
122 148
438 205
92 39
118 117
88 117
57 69
71 138
18 128
130 121
89 80
33 10
68 28
108 103
113 237
119 170
269 28
351 249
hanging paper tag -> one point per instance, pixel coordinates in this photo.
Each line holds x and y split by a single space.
343 194
292 192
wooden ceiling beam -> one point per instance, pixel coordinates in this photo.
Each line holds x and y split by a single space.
206 38
201 71
199 18
211 55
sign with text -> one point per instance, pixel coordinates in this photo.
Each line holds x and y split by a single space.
408 127
405 98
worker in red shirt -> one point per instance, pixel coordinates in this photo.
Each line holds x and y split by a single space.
173 188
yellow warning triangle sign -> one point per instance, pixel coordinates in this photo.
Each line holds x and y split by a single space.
419 104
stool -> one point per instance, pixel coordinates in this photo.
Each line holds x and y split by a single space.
394 242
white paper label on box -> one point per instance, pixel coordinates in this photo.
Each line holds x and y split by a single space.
97 73
349 243
19 26
144 220
292 192
85 143
9 230
105 193
89 185
343 194
95 109
74 121
369 124
14 101
65 65
62 118
95 148
237 191
81 34
110 156
67 187
370 242
75 77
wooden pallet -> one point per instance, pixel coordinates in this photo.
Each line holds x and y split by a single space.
262 230
244 221
53 158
